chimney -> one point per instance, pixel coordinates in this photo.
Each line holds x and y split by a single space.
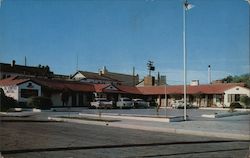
13 63
209 74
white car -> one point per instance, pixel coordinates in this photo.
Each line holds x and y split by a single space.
139 103
101 103
124 103
179 104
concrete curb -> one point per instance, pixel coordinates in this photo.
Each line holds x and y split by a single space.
158 129
223 109
139 118
17 114
225 115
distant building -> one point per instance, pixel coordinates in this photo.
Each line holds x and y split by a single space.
9 70
106 77
125 79
92 77
194 83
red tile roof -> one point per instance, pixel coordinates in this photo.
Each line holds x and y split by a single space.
13 81
129 89
100 87
178 89
49 83
62 84
153 90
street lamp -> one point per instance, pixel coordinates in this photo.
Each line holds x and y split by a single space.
186 6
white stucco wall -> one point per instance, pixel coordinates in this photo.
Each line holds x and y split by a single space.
14 91
11 91
235 90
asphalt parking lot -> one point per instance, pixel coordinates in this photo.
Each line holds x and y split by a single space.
25 137
35 136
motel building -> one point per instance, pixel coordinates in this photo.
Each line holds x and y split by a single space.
81 94
210 95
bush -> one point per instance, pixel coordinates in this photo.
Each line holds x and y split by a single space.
153 103
40 102
234 105
246 101
6 102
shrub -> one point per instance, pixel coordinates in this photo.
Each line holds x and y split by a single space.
6 102
234 105
153 103
246 101
40 102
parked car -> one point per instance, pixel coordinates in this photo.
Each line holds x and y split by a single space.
101 103
139 103
124 103
179 104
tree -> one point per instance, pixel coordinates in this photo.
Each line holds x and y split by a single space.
6 102
245 78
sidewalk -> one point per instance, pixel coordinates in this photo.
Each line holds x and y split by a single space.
236 127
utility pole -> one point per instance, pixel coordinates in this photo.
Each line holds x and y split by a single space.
133 76
25 61
76 62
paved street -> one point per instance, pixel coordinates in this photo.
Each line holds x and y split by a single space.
23 137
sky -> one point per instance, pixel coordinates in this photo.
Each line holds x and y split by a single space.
122 34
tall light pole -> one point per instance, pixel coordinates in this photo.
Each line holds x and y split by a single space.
248 32
166 99
186 6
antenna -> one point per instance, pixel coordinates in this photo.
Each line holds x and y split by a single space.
25 61
76 62
150 67
133 76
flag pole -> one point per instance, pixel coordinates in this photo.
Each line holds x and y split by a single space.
184 59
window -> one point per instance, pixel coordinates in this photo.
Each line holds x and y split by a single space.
237 97
233 98
26 93
218 98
